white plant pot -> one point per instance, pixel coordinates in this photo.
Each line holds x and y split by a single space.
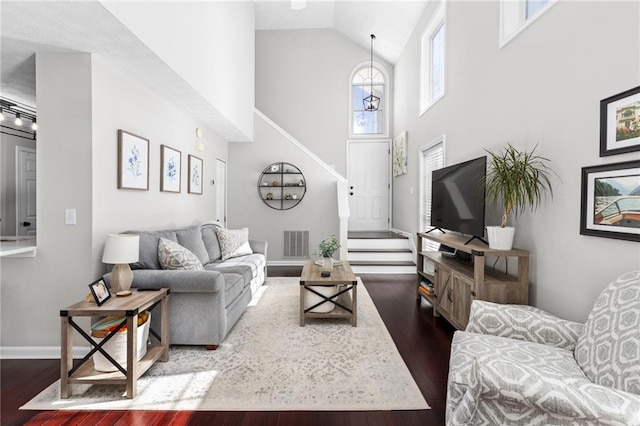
500 238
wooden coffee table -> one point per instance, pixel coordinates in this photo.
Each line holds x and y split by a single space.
345 298
127 307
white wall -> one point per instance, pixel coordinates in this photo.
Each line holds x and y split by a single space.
35 289
302 83
8 144
209 44
316 213
543 88
82 103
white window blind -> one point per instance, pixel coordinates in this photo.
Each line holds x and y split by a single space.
433 159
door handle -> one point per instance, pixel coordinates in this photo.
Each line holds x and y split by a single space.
26 223
351 193
351 187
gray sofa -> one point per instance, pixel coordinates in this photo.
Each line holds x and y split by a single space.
203 304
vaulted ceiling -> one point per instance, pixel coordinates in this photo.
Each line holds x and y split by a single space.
55 26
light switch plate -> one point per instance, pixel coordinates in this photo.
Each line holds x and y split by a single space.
70 216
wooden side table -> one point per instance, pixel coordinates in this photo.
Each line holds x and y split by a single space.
127 307
346 305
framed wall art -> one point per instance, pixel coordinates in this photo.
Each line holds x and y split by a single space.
620 123
610 204
400 154
170 169
195 175
133 161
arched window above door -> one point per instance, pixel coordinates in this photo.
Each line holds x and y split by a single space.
362 123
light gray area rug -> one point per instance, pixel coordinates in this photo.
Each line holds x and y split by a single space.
269 363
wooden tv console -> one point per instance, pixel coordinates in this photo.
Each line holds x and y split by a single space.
456 282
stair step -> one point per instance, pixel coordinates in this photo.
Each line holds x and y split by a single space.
379 250
377 243
381 263
376 235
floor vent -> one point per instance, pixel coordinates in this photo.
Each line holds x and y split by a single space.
295 244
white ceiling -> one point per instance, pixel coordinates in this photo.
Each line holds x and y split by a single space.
61 26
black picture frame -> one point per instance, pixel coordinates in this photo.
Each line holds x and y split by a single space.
623 109
610 201
100 291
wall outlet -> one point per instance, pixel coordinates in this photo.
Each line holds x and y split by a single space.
70 216
411 190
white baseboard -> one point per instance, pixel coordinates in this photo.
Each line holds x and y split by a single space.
287 262
38 352
410 237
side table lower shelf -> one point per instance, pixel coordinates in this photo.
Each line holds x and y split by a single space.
83 372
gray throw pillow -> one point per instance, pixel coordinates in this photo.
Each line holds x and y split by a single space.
173 256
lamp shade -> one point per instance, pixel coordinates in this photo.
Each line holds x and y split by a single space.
121 248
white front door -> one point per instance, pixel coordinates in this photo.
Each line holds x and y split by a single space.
26 223
221 192
369 163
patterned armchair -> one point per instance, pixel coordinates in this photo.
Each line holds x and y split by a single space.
518 365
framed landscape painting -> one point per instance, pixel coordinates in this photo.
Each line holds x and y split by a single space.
170 172
195 175
610 205
620 123
133 161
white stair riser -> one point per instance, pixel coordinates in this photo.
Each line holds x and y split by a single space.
381 256
361 243
382 270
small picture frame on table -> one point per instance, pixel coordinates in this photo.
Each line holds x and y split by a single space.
620 123
100 291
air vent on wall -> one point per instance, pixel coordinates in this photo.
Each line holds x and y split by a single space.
295 244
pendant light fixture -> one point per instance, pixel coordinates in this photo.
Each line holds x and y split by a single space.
18 121
371 102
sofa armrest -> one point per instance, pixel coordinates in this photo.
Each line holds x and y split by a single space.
523 323
178 281
513 384
259 246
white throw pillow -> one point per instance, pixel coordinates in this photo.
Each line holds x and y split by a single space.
234 242
173 256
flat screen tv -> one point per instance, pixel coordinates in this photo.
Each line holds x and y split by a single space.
457 197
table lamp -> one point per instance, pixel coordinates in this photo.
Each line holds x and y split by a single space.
120 250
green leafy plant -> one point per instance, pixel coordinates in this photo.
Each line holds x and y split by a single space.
517 180
329 246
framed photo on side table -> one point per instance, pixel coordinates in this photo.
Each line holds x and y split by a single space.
100 291
610 206
170 169
195 175
133 161
620 123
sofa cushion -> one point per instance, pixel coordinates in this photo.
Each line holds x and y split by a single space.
173 256
256 262
609 349
242 270
191 238
211 243
233 287
148 249
233 242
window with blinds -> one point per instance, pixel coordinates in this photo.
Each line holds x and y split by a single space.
432 159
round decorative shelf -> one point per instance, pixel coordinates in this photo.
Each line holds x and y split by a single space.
281 186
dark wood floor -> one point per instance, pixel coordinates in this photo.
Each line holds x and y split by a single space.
423 342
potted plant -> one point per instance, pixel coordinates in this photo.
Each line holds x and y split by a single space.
515 180
328 247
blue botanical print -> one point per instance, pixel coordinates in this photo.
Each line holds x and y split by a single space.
172 170
195 175
134 163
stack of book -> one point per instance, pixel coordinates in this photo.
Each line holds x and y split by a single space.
426 288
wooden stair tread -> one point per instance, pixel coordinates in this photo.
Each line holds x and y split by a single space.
375 235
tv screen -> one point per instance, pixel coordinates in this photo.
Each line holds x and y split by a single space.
457 197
